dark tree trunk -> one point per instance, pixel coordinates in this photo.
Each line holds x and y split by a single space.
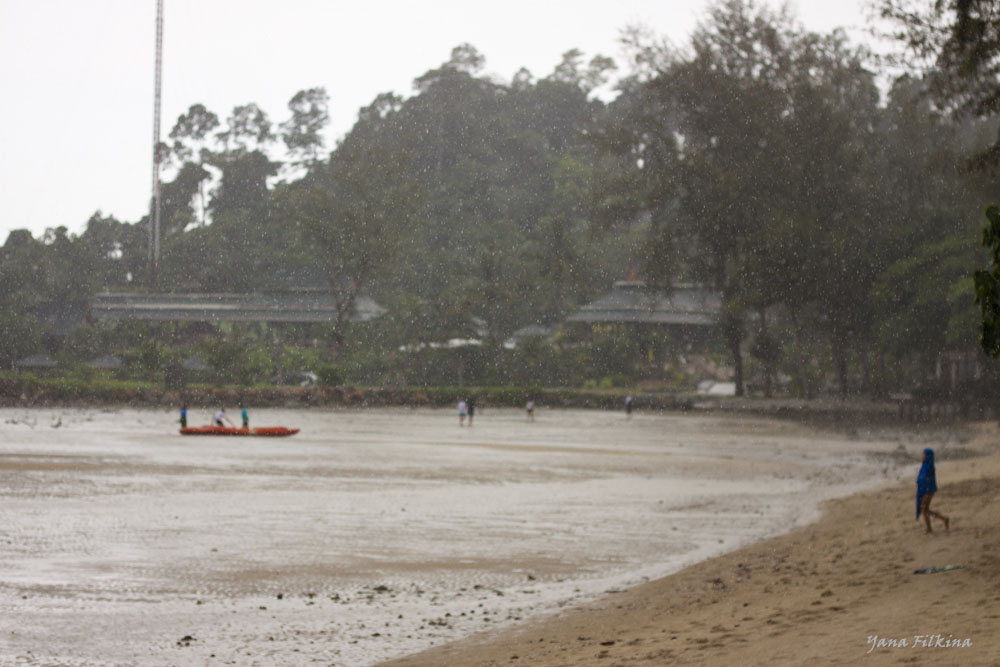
803 367
734 337
768 369
840 361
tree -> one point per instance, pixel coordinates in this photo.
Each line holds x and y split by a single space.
958 43
190 134
987 286
19 337
178 198
117 251
191 131
358 207
248 128
570 70
302 133
708 156
926 301
961 39
751 156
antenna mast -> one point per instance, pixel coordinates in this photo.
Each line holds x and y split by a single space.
154 217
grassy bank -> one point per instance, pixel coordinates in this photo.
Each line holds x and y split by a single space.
33 391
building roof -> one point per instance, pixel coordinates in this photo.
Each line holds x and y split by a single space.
534 331
634 301
195 363
36 361
270 307
107 361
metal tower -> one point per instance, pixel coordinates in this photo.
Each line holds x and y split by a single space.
154 216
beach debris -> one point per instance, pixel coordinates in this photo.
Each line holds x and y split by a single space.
941 568
185 640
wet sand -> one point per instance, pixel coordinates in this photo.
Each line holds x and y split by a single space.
375 534
843 591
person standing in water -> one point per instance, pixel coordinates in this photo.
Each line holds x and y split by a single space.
472 409
462 409
529 407
628 406
926 488
245 415
184 415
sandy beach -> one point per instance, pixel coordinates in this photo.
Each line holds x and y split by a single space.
842 591
378 534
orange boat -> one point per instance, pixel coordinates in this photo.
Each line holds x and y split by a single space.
273 431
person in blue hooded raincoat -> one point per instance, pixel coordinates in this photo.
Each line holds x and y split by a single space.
926 488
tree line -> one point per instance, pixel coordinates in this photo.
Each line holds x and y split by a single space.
837 216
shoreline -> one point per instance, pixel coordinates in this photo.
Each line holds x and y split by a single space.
32 392
824 593
615 487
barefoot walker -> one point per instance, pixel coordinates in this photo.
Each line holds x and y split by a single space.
926 488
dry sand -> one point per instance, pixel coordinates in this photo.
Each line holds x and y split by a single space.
841 591
375 534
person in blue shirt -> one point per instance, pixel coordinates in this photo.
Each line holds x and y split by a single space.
184 415
926 488
245 415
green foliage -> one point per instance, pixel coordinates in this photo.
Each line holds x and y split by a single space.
147 358
926 300
962 40
19 337
297 358
302 133
987 285
236 361
476 207
331 375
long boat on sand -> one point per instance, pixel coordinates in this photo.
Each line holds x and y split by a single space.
272 431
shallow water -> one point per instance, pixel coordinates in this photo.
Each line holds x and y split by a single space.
372 533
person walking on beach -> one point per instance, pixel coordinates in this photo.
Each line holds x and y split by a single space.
472 409
184 415
628 406
529 407
462 410
926 488
245 415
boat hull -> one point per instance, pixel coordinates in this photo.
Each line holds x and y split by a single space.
269 431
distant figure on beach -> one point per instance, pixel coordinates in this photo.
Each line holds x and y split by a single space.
926 488
472 409
628 406
529 407
462 411
245 415
184 415
220 416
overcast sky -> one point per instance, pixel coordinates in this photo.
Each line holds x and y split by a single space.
77 75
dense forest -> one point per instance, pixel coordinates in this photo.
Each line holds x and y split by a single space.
837 214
